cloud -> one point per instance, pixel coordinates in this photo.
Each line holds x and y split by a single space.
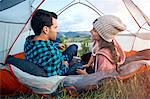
80 17
75 19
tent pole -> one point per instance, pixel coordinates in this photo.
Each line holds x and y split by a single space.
131 13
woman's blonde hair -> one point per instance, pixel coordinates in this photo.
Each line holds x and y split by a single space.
111 47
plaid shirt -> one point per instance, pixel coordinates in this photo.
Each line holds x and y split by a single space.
45 54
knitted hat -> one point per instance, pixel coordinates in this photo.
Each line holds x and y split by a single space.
108 26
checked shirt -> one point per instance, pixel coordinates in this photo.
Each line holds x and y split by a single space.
46 55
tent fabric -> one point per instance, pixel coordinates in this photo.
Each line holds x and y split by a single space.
8 34
139 14
5 4
10 85
17 14
38 84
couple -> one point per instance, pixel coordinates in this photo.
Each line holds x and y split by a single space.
40 48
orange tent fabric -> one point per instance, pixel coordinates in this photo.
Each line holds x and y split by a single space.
10 85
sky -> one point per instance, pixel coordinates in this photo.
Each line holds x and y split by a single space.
80 17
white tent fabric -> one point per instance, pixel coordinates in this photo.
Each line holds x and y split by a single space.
18 13
6 4
11 22
41 85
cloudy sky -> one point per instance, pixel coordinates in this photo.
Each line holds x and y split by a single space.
79 17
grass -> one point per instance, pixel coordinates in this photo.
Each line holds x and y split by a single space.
136 87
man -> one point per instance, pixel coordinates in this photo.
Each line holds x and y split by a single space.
40 49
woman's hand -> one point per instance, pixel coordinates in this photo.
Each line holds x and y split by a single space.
86 65
81 72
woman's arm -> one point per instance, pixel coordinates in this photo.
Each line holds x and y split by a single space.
89 62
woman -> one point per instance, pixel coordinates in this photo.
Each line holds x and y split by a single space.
106 52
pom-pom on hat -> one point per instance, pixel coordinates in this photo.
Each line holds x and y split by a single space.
108 26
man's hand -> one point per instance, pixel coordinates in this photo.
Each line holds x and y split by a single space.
65 63
62 46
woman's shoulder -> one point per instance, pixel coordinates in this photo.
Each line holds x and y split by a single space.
105 53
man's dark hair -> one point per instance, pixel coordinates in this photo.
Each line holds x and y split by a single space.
40 19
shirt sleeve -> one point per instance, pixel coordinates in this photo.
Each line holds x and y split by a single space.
64 69
56 44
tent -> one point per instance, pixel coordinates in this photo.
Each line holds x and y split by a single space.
15 18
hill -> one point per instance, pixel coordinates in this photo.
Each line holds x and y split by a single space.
74 34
